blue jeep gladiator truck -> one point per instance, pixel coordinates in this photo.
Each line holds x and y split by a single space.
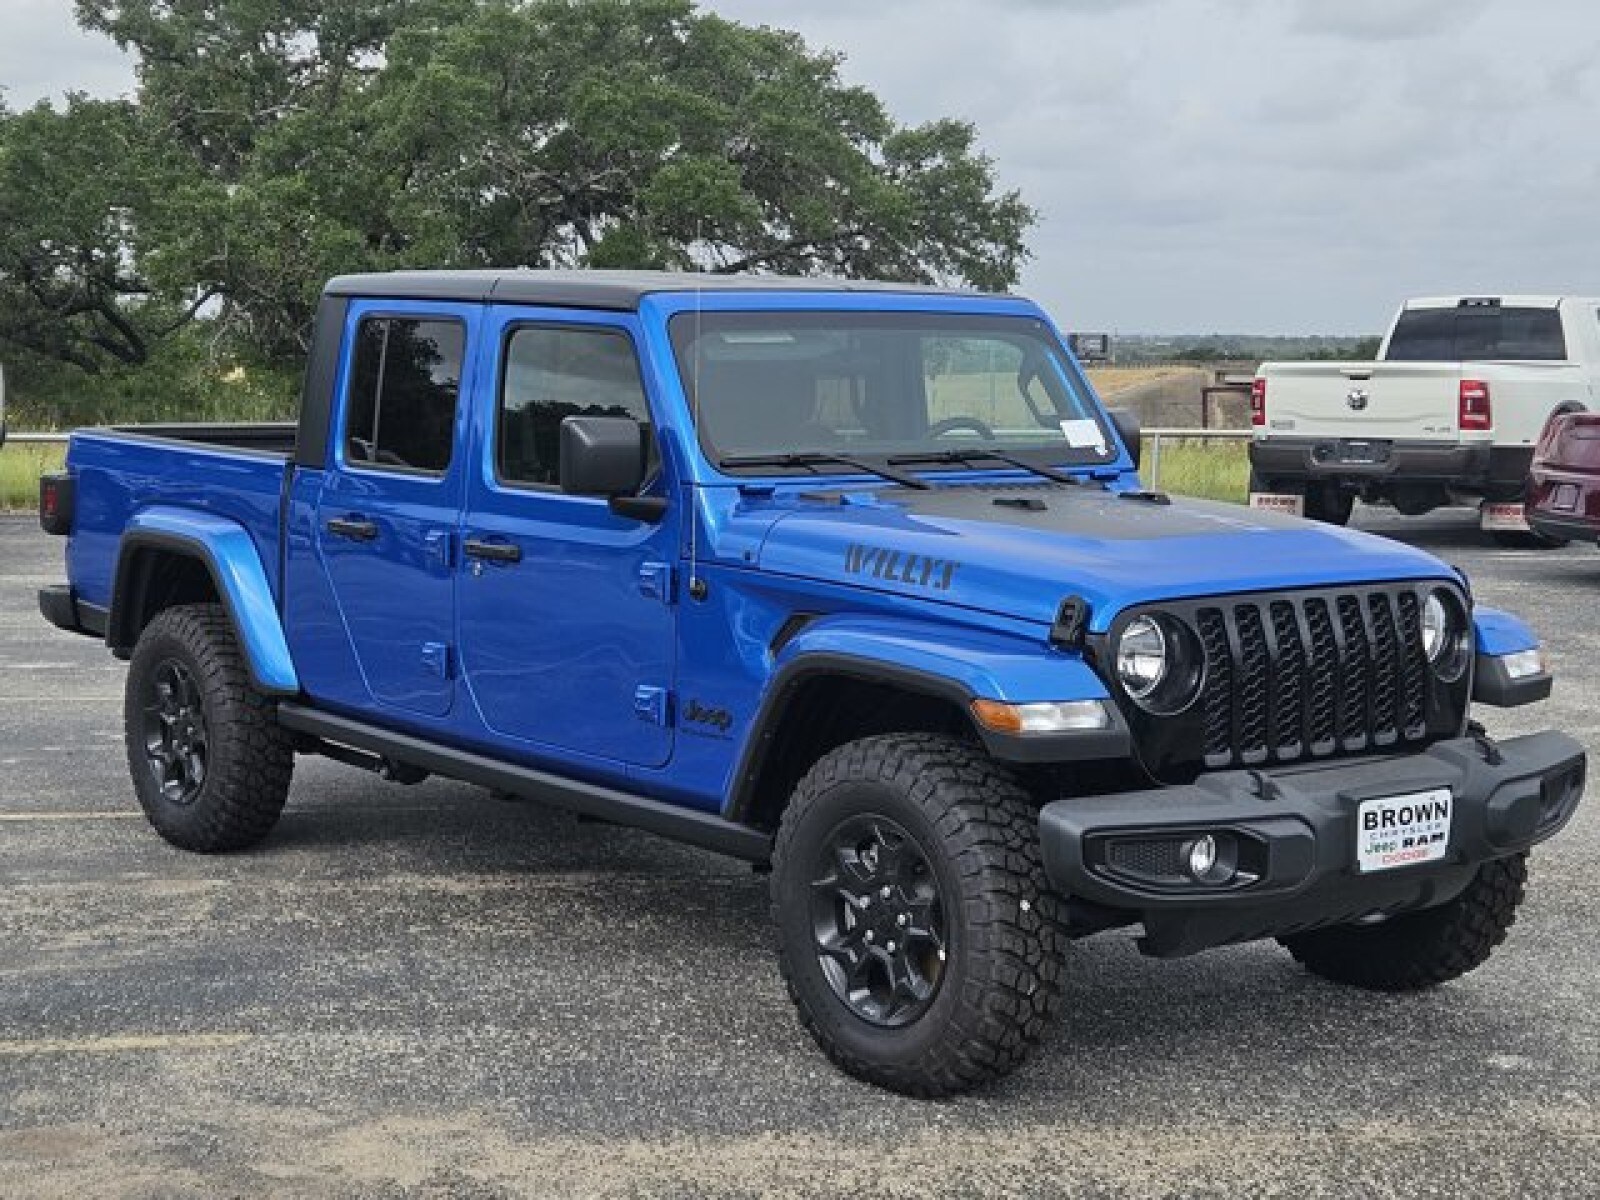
858 582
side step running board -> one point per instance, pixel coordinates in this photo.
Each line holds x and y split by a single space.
587 799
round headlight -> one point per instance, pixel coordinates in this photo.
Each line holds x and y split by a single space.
1444 635
1435 627
1142 657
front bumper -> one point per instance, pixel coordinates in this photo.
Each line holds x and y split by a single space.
1295 830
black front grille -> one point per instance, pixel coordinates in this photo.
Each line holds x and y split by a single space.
1300 675
1285 678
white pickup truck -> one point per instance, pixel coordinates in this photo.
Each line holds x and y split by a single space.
1449 411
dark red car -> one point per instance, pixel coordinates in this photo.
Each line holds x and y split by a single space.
1564 486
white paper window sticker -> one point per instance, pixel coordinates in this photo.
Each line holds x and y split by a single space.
1083 434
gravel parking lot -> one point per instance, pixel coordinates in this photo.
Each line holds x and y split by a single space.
429 992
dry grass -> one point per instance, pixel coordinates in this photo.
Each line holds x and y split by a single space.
1108 381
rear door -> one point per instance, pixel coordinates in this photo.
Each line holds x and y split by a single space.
566 609
389 509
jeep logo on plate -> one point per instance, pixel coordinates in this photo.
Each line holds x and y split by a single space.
1357 399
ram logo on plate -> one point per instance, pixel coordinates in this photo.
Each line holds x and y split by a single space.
1401 831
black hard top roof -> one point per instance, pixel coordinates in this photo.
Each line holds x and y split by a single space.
593 289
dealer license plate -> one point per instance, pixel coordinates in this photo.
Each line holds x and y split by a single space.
1402 831
1507 518
1281 502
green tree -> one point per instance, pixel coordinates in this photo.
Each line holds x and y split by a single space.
81 189
276 142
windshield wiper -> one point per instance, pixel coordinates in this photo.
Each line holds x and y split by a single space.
816 458
956 457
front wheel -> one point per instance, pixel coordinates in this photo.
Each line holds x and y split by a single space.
916 932
210 765
1421 949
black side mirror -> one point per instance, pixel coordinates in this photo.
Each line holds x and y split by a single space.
601 456
1127 423
606 456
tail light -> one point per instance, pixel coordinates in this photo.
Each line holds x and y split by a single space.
55 503
1258 401
1475 412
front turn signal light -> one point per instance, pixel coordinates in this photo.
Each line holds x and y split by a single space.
1048 716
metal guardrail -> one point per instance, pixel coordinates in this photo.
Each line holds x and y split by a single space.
1152 438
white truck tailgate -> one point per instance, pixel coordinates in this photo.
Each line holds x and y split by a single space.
1410 401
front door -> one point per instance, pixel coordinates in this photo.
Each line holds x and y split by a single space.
566 614
389 508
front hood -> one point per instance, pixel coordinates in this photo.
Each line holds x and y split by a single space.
1019 549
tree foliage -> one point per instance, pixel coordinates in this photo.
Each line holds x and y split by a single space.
273 143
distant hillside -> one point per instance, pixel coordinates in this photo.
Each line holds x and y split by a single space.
1135 348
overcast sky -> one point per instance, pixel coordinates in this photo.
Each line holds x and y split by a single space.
1271 166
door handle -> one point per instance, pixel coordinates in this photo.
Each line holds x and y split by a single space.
357 529
506 552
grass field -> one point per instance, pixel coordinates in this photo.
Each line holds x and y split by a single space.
20 468
1108 381
1216 470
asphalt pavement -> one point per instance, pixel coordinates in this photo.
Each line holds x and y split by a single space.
428 992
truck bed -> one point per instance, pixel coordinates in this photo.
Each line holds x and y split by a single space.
236 471
266 437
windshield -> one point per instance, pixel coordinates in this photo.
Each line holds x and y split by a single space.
879 386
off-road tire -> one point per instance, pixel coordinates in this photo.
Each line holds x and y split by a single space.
249 756
1001 985
1423 949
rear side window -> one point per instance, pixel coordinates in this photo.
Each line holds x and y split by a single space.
555 373
405 380
1477 333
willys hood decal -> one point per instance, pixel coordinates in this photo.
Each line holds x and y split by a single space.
1020 549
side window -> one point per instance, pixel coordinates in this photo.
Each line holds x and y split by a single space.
554 373
405 379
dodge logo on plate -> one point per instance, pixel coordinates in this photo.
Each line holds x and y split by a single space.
1357 399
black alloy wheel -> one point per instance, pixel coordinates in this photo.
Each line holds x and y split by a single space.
210 764
878 921
916 930
175 738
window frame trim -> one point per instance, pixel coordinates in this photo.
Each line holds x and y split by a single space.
508 333
389 470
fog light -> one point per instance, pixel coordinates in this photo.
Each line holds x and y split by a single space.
1202 856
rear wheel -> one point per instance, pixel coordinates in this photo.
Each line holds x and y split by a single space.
1421 949
916 931
1329 503
210 764
1518 539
